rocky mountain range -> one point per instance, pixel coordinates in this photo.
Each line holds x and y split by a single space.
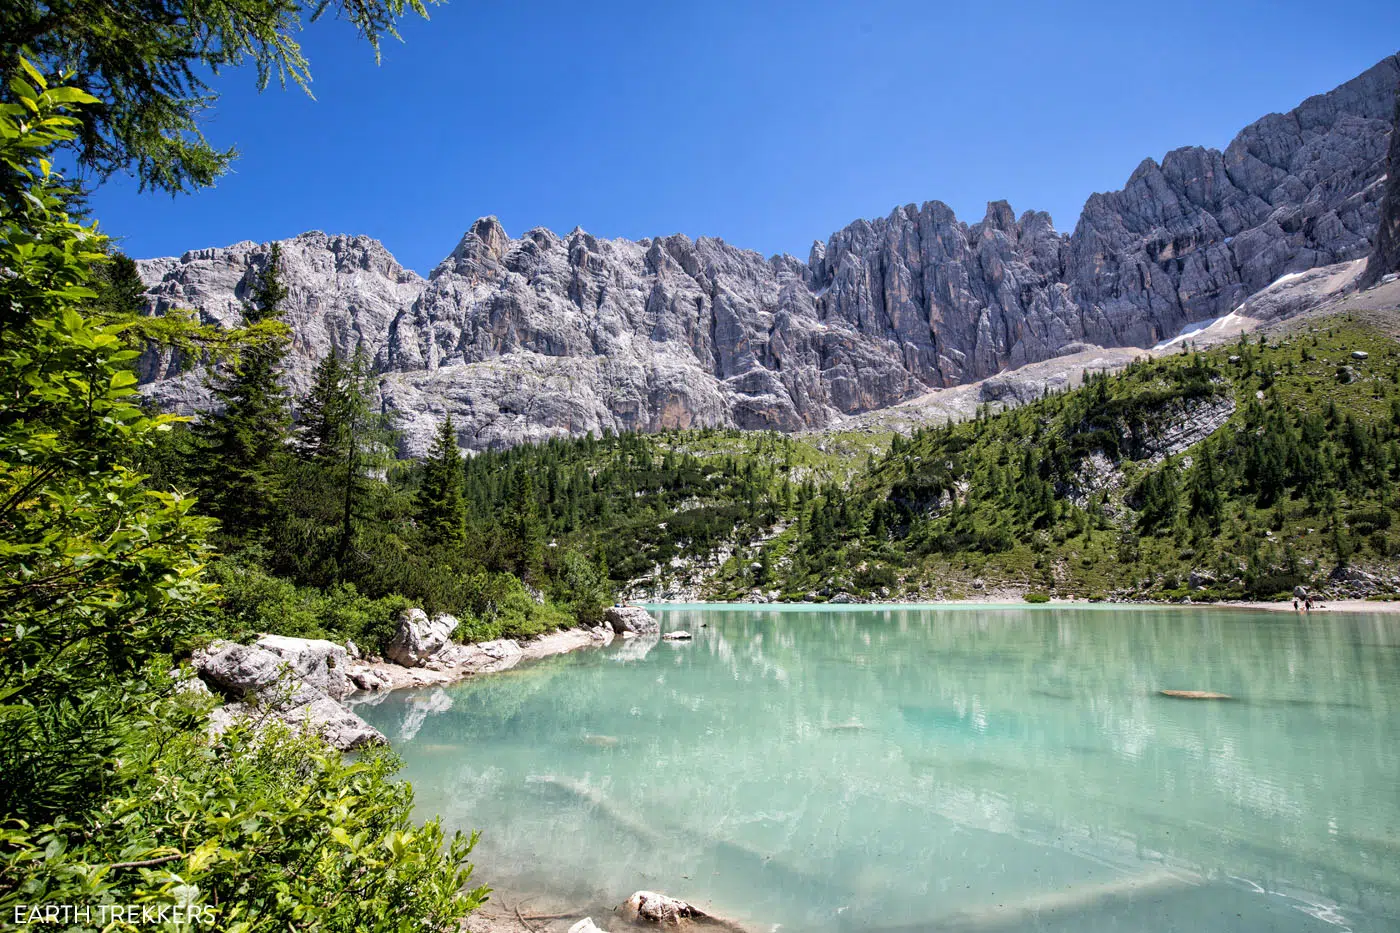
541 335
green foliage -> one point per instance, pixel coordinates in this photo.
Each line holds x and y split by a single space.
1037 597
110 791
252 601
147 63
246 833
242 444
97 571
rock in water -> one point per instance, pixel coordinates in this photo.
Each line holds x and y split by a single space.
419 638
678 636
585 925
632 619
658 908
1195 695
544 336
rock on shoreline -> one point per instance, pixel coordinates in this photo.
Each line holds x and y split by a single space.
633 619
301 682
265 685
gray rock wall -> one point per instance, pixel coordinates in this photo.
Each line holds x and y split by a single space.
1385 251
523 339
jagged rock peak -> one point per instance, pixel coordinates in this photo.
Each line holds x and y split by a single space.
542 336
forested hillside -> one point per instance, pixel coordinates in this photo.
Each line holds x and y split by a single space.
660 512
1241 471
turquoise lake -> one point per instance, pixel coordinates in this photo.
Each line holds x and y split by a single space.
966 768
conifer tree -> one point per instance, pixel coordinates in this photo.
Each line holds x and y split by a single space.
524 531
242 443
321 417
441 508
363 443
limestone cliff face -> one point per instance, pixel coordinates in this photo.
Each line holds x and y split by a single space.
545 335
1385 251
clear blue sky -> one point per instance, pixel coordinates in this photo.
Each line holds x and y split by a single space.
768 124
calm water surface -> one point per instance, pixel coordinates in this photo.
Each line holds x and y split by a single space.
970 768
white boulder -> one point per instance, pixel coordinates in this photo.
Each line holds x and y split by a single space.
658 908
586 925
318 663
265 686
370 680
632 619
419 638
488 657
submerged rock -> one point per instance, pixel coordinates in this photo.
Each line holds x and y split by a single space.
678 636
1195 695
632 619
658 908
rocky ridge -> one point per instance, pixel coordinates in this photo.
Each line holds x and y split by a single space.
526 338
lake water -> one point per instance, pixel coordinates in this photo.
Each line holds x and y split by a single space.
968 768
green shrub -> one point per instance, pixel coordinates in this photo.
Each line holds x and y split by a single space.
1037 597
253 601
249 833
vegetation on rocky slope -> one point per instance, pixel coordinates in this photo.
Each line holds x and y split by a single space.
1244 470
1239 471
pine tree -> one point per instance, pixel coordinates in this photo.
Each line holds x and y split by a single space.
364 443
242 443
1205 493
120 291
524 532
322 416
440 506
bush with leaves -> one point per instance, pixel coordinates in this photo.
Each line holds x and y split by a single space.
252 831
110 792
